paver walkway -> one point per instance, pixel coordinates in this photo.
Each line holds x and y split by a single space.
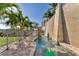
25 47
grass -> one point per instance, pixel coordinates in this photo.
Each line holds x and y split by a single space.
3 40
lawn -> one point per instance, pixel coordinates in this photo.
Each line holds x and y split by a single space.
3 40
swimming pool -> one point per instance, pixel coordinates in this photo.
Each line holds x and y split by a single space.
45 48
41 48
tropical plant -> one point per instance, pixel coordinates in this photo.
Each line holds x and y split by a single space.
5 6
48 14
14 19
53 6
3 10
50 11
17 19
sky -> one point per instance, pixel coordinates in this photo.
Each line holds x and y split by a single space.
34 11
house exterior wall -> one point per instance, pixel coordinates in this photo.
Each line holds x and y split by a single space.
64 25
71 15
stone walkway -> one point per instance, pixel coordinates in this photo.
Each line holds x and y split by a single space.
25 47
61 50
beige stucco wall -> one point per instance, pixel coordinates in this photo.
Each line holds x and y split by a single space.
64 27
58 30
49 26
71 14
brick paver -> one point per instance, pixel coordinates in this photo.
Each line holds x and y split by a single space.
25 47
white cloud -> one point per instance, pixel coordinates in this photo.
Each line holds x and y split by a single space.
4 26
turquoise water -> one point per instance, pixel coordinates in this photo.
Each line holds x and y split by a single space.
43 44
41 48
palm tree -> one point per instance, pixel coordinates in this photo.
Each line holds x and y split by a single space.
53 6
3 10
50 11
5 6
47 15
17 19
14 18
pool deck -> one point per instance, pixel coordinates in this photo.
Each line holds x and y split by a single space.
51 46
25 47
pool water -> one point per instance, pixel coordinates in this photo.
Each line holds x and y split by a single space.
41 48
